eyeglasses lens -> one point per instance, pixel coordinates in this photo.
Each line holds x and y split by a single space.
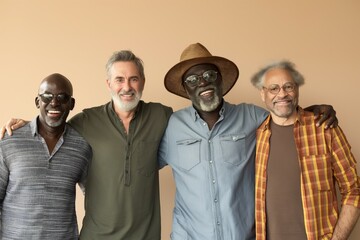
61 98
194 80
275 89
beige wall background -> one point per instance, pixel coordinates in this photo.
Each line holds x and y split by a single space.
75 38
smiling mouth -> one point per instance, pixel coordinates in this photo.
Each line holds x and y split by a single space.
207 93
53 113
127 96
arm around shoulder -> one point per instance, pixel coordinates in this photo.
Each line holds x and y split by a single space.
12 124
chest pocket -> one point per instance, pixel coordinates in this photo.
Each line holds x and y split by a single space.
319 171
188 153
233 148
147 157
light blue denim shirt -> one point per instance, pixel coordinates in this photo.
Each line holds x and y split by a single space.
213 172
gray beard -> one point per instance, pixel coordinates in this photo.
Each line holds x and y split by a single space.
209 107
126 107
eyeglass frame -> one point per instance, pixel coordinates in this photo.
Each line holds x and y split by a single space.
65 100
199 77
277 88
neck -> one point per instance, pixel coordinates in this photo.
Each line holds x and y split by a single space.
124 115
284 121
50 132
210 117
51 135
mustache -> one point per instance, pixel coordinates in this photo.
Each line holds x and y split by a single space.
200 90
286 98
123 92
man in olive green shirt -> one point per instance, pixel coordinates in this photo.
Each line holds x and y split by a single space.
122 190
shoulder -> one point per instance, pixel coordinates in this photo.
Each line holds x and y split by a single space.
249 109
79 119
20 133
74 137
157 106
184 111
96 109
306 117
157 110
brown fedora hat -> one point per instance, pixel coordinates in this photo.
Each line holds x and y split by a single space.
196 54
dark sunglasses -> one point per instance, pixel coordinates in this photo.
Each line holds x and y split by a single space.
48 97
194 80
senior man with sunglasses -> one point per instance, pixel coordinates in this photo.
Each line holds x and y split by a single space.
40 166
210 147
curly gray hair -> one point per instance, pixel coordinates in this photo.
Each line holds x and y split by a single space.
258 78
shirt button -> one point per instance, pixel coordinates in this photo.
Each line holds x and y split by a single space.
215 200
218 223
213 181
211 161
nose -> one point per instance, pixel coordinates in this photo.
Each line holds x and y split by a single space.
126 86
282 92
202 82
54 101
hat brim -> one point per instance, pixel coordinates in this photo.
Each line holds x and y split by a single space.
173 78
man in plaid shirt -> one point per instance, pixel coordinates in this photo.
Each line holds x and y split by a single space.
297 165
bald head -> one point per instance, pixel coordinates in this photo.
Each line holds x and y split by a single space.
56 80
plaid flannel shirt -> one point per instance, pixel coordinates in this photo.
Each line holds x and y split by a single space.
324 157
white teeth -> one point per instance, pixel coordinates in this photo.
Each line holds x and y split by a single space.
206 92
52 111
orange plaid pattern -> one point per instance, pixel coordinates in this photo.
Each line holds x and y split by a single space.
324 158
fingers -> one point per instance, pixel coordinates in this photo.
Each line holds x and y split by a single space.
317 113
329 119
8 126
332 122
12 124
17 124
2 132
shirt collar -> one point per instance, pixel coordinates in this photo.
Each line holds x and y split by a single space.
111 109
196 115
34 127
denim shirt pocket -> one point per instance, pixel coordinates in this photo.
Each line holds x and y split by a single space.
233 148
188 151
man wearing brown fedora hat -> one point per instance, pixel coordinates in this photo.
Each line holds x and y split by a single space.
210 147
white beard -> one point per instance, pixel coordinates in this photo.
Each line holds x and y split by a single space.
125 106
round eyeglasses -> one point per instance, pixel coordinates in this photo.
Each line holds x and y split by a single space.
275 88
194 80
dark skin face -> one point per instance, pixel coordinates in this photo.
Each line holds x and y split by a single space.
207 96
52 117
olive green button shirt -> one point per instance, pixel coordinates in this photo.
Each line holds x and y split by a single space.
122 191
